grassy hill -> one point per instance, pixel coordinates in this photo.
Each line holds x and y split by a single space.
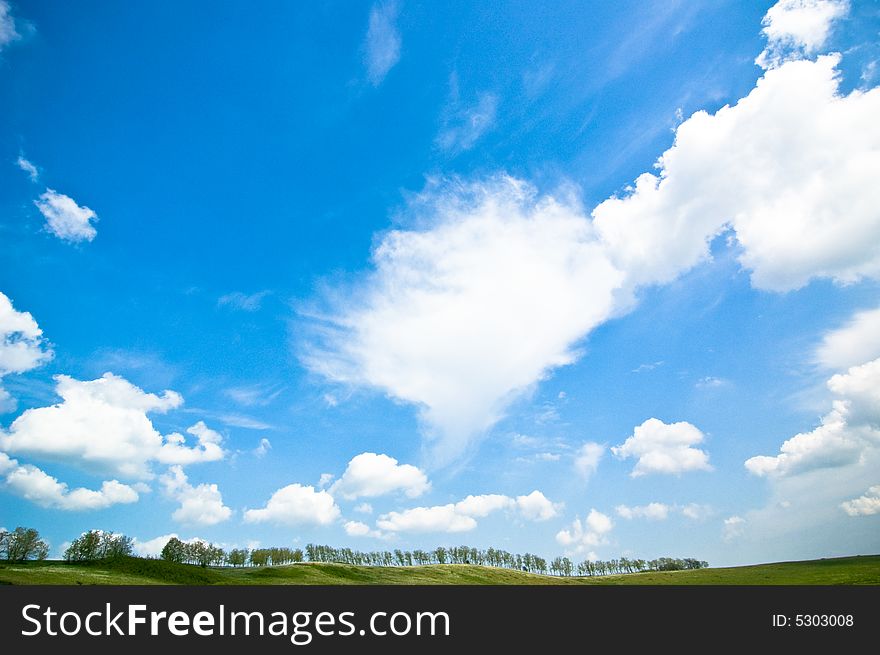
136 571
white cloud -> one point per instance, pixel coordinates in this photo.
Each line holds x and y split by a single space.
461 318
382 43
482 506
199 505
22 347
651 511
296 504
153 547
548 457
734 527
440 518
208 449
664 448
242 301
242 421
360 529
696 512
325 480
587 458
844 435
8 31
461 516
369 475
37 486
865 505
23 163
852 344
495 286
790 169
103 425
463 126
586 534
537 507
364 508
66 219
264 447
797 28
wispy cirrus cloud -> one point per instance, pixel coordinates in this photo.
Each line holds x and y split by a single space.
382 43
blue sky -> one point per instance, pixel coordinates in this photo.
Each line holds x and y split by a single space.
382 275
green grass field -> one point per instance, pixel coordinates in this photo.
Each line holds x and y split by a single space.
862 570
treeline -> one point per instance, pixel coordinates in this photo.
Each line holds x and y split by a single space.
562 566
22 544
25 543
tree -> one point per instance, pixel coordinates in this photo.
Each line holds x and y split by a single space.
174 551
237 557
22 544
97 544
84 548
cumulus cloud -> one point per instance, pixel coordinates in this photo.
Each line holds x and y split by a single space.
865 505
586 460
798 28
153 547
360 529
461 516
103 425
296 504
662 447
364 508
369 475
32 172
462 317
382 45
651 511
537 507
852 344
493 286
37 486
581 536
199 505
439 518
66 219
844 435
207 449
800 207
22 347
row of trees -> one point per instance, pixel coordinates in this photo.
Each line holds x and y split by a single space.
22 544
25 543
562 566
